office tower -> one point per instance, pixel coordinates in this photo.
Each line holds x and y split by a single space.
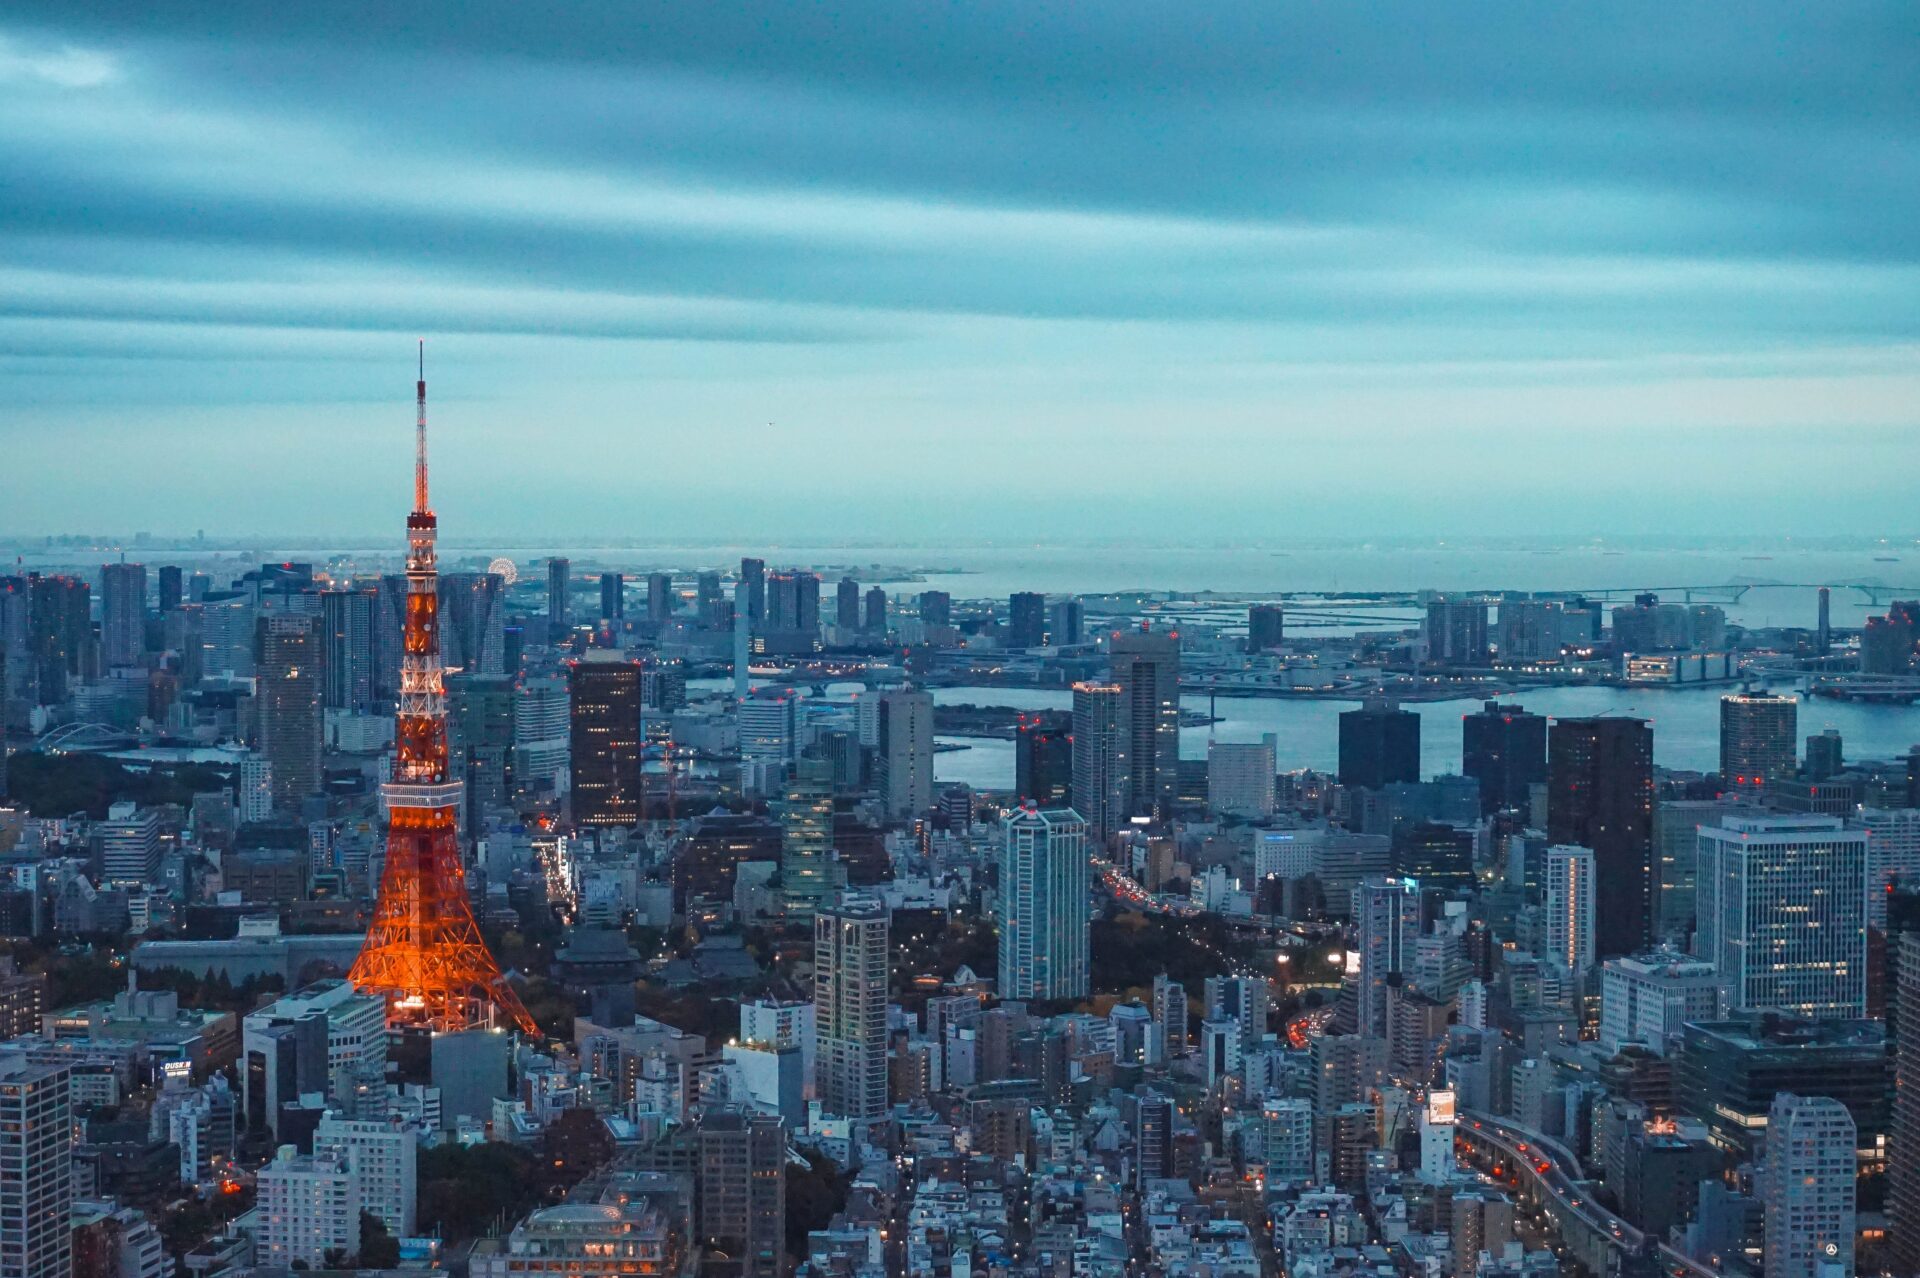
1826 755
1758 733
876 615
307 1208
1457 632
850 962
660 599
1379 743
1781 904
59 631
1043 763
706 595
1240 778
1146 666
1600 796
936 607
381 1155
288 689
1903 1157
1100 762
604 740
1823 628
123 613
129 845
36 1170
389 624
742 1180
753 575
1386 917
424 954
346 650
1650 999
559 600
805 813
769 728
1266 627
170 592
1026 620
1893 856
542 732
1568 913
905 757
613 596
1807 1187
1504 748
1045 911
480 740
1170 1013
473 622
846 604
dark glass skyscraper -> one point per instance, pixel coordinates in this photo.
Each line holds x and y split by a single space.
1026 620
1600 796
605 739
1504 748
1043 762
1379 743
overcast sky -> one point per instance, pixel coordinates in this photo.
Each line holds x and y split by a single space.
920 270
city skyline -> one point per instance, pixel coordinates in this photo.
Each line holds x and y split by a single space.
1335 270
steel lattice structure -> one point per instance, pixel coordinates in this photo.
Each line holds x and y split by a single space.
424 951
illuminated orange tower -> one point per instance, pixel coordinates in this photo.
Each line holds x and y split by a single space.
424 951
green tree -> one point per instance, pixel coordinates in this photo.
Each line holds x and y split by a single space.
378 1248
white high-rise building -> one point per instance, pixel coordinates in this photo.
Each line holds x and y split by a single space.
782 1025
256 789
542 733
904 761
1386 914
1807 1188
129 845
1782 913
1893 851
382 1158
1240 778
36 1170
1567 882
769 729
1045 911
850 966
1649 999
307 1208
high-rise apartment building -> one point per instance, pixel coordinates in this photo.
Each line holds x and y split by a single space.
382 1156
1240 778
753 575
660 600
559 599
742 1190
1759 735
1379 743
288 690
1146 666
846 604
1600 796
1386 916
1102 766
123 613
307 1208
169 588
850 966
1456 632
613 596
1266 627
1504 748
904 762
36 1169
805 813
1807 1187
875 622
1026 619
1781 904
1568 913
1045 910
604 742
936 607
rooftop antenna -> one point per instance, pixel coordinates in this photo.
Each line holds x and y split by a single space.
420 438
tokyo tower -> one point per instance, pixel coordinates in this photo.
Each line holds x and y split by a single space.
424 951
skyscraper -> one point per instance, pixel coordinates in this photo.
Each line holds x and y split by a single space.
1386 916
1379 743
875 622
660 598
604 741
473 622
1240 778
123 613
1146 666
613 596
1456 632
346 650
1903 1157
1568 915
480 739
1504 748
1759 734
1826 754
1600 796
1045 911
1781 906
1101 768
1807 1188
743 1203
905 757
850 963
288 688
936 607
846 604
805 813
1026 620
36 1168
1266 627
171 594
753 574
1043 763
559 600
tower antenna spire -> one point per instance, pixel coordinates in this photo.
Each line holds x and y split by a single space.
420 438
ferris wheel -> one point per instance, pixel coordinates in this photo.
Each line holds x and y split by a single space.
503 568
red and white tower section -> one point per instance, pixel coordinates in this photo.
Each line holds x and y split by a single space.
424 952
